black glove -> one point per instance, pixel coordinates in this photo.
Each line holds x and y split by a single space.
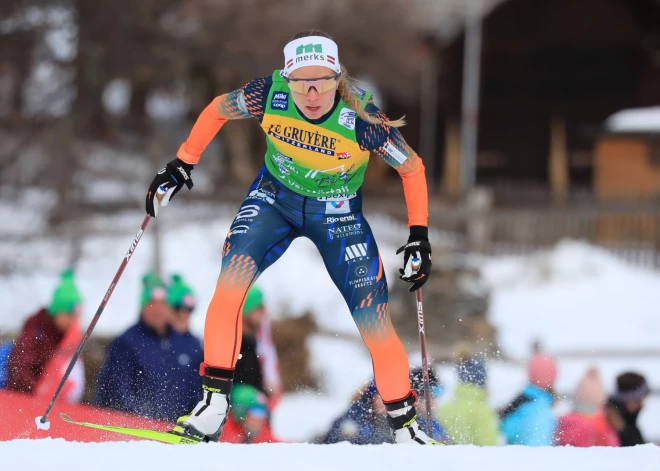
416 258
167 183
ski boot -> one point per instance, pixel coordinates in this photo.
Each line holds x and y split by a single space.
402 419
207 419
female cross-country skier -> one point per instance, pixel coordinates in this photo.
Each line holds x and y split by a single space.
320 131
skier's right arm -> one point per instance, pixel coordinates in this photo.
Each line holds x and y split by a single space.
245 102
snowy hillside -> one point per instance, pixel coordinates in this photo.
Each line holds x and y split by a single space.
58 455
576 297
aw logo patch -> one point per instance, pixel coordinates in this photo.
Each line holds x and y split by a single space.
347 118
280 101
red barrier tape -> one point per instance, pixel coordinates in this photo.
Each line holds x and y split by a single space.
18 411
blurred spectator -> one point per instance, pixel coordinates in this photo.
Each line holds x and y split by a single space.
181 300
150 369
467 418
417 384
365 421
529 419
46 345
586 425
249 419
624 407
258 365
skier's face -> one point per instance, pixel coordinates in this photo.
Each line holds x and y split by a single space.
315 103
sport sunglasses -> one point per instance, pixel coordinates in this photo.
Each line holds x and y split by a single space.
321 85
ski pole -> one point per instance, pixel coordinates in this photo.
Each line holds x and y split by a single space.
425 362
42 421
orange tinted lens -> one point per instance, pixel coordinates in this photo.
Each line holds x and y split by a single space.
326 85
298 87
321 85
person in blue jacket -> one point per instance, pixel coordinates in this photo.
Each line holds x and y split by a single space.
365 423
529 419
151 370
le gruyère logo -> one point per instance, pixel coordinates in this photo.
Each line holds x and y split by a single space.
308 140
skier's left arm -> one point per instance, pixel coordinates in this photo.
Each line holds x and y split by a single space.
387 143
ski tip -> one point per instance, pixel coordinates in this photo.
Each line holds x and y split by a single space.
42 424
66 418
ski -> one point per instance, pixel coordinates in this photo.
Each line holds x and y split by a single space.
165 437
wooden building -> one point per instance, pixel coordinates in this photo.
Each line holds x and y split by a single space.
552 72
627 156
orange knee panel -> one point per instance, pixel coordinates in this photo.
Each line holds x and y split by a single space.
224 324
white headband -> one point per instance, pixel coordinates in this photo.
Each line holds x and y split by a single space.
311 50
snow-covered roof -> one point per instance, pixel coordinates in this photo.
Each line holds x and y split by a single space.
636 120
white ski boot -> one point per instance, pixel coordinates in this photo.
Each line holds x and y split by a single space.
402 418
207 419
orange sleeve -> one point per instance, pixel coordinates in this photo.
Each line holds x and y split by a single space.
415 191
207 126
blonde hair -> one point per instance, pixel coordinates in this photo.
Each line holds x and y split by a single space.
346 93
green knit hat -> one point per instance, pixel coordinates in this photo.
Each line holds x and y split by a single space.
180 295
248 399
66 297
254 300
153 289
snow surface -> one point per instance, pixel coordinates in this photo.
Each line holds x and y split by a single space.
635 120
57 454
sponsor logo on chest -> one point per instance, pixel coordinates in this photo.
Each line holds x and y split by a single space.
347 118
304 139
280 101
